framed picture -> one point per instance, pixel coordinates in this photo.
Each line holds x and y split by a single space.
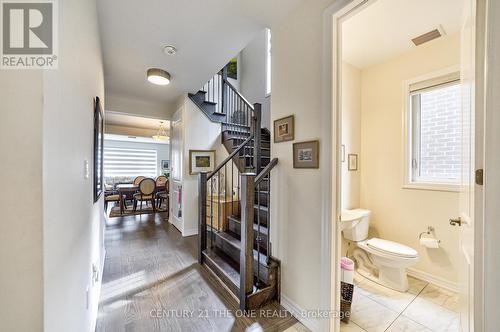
284 129
352 162
165 164
342 152
98 149
306 154
201 161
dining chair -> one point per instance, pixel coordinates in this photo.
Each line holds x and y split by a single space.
147 188
162 195
138 179
114 198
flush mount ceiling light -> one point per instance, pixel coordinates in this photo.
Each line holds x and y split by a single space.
169 50
162 133
158 76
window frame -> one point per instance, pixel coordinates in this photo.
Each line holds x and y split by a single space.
409 146
268 62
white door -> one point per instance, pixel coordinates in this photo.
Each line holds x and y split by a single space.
465 222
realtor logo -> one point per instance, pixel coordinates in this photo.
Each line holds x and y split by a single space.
28 35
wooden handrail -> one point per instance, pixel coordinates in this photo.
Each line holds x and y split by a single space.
266 171
237 93
218 168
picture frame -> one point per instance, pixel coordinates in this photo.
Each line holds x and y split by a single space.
165 164
201 161
98 149
284 129
306 154
352 162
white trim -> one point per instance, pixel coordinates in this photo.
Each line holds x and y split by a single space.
432 279
300 314
176 222
407 150
432 186
190 232
330 163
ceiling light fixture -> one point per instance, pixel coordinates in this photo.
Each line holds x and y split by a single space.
158 76
169 50
162 133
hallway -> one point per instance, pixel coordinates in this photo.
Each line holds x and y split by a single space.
152 282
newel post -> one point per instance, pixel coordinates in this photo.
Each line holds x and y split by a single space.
257 133
246 251
202 215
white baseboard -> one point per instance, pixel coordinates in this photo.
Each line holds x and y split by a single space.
438 281
190 232
177 223
299 313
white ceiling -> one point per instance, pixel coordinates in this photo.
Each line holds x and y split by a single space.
206 33
125 120
384 29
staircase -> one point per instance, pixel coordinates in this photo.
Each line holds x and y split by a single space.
234 199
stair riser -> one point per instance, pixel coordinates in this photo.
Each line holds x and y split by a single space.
234 253
261 199
235 227
218 272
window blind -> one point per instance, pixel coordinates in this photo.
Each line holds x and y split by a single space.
452 78
130 162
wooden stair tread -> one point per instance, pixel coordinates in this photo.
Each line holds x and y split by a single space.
226 271
236 243
262 230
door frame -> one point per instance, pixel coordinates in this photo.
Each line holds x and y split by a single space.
487 132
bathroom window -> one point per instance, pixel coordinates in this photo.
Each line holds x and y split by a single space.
434 133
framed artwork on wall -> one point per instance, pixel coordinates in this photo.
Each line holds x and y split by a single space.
165 165
306 154
284 129
352 162
98 149
201 161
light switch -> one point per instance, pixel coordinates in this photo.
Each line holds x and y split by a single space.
86 169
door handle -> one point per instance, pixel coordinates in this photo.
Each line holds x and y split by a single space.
456 221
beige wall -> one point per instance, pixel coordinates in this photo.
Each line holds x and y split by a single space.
73 223
401 214
21 279
351 133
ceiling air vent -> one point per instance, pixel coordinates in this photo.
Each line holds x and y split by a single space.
428 36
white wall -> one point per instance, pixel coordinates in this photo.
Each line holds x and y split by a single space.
198 133
21 279
296 199
162 150
253 75
401 214
136 106
73 224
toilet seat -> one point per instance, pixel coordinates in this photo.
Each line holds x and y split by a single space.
389 248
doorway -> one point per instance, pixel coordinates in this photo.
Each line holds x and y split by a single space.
355 161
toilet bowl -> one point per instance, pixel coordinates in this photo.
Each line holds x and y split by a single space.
382 261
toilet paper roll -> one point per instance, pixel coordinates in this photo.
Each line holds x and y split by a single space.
429 242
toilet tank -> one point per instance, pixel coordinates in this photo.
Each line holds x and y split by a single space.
355 224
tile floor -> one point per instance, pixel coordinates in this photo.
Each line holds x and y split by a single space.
424 307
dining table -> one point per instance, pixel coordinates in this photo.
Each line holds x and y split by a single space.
125 189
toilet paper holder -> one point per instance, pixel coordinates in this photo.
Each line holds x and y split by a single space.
429 231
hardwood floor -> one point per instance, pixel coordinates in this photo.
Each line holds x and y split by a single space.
152 282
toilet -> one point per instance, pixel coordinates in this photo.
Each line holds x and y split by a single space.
385 262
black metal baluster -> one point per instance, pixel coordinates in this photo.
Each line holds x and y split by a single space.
258 234
268 249
211 211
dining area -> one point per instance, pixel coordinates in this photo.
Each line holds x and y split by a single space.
143 195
